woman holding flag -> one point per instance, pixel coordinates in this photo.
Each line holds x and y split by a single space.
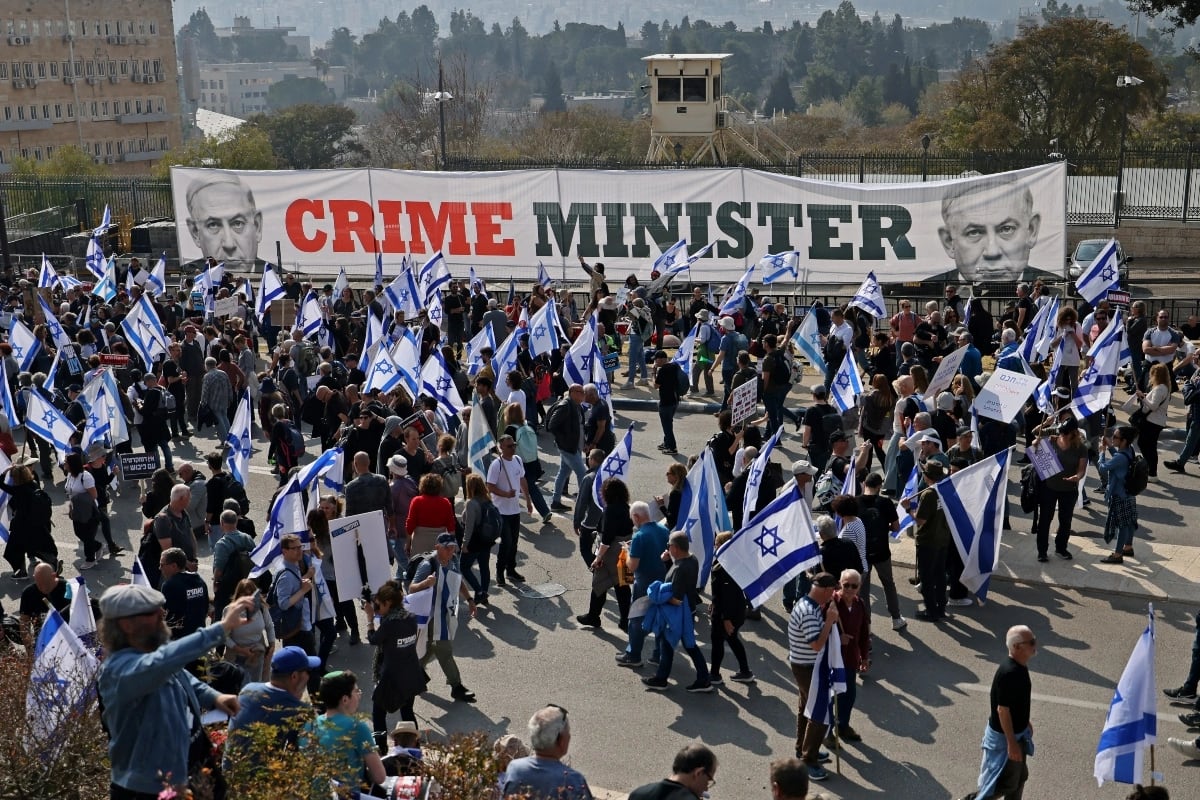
616 528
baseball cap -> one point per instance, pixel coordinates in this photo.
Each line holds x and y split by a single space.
446 540
727 323
803 467
293 659
963 430
130 600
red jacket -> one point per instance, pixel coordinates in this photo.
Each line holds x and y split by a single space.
852 619
430 511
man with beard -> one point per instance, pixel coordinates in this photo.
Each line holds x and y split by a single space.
150 702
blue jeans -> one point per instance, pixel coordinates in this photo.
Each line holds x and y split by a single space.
401 558
637 358
467 560
666 415
166 451
773 400
667 660
567 461
1191 445
222 423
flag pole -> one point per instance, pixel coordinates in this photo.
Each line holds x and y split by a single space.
1151 765
837 742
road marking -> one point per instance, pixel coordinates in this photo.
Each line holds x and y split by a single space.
1043 698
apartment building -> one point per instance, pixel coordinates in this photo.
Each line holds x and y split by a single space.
240 90
92 73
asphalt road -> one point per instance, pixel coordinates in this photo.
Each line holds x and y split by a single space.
921 710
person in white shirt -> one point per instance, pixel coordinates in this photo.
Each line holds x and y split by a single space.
506 482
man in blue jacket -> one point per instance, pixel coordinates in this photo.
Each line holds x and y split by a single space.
645 551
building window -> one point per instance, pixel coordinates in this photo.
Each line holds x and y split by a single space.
96 109
127 107
20 112
79 69
33 112
58 110
104 108
3 70
162 143
41 69
153 28
138 106
222 86
7 113
124 67
28 69
46 111
120 148
70 111
90 68
49 152
161 106
53 69
101 67
158 65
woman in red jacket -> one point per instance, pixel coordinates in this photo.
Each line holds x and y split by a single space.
428 515
856 647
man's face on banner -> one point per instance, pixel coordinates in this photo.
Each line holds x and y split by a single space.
225 225
990 232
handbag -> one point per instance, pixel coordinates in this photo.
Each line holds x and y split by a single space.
83 507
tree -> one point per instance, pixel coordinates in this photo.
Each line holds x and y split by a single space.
1178 12
779 96
1058 81
311 136
247 147
651 36
552 90
293 91
68 161
865 100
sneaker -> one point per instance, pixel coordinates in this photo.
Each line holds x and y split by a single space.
962 602
481 599
500 581
1114 558
557 506
100 553
1042 558
716 680
1174 466
824 757
355 640
626 660
899 624
653 660
515 576
588 622
547 518
1181 693
115 551
87 565
848 734
462 693
19 575
1065 555
817 773
670 451
1187 747
699 687
656 684
1191 720
742 677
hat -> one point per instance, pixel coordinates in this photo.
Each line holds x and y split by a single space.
660 354
608 303
945 401
94 452
963 430
767 308
837 436
1068 425
803 467
130 600
293 659
931 436
391 424
704 315
74 387
447 540
1062 393
727 323
398 465
404 726
934 471
819 391
825 581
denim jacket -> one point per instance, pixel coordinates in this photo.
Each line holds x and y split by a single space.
147 701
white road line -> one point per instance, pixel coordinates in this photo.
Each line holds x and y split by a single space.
1042 698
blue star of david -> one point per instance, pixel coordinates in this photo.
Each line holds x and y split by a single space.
244 446
843 381
384 367
1091 373
436 314
687 528
777 261
615 465
404 296
55 329
18 352
50 686
444 384
510 365
587 363
49 418
755 476
1107 273
539 331
93 420
816 340
768 541
870 287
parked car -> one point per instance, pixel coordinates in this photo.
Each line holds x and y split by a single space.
1086 252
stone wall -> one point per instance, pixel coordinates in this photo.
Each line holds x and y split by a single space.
1144 238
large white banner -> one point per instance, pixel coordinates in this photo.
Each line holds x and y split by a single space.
986 228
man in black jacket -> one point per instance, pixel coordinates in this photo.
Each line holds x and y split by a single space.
565 423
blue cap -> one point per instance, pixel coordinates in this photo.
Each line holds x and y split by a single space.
293 659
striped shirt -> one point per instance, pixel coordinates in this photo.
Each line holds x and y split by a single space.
804 627
856 532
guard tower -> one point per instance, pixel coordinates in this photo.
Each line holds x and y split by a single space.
686 103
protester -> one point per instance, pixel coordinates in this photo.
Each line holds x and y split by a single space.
672 603
346 740
399 678
728 614
855 627
441 573
693 773
543 774
812 619
1116 460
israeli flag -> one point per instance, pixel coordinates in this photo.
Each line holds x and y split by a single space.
733 303
50 373
506 362
846 386
24 344
438 383
57 334
1101 276
614 465
378 269
6 399
47 276
61 684
807 339
156 284
144 331
137 574
208 282
828 679
772 548
1044 393
755 476
94 258
673 260
1132 722
269 288
912 487
1036 344
106 287
702 511
69 282
287 514
1095 388
543 276
974 501
385 373
407 355
600 378
779 266
577 366
543 330
474 280
83 619
310 317
105 222
46 421
434 275
103 381
403 295
485 338
238 441
869 297
96 425
5 511
683 356
480 442
434 310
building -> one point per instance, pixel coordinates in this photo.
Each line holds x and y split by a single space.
91 73
249 36
240 90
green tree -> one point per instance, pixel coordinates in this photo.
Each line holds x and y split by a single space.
1058 81
651 36
248 147
339 50
552 90
293 91
865 101
68 161
779 96
311 136
1178 12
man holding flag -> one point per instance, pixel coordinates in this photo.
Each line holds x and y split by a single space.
1008 737
813 619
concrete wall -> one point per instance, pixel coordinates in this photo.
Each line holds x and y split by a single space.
1144 238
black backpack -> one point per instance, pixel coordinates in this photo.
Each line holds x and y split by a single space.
41 509
235 491
237 569
1138 476
413 563
287 621
487 533
835 351
1030 483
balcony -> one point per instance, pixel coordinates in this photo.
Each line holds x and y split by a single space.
145 155
144 119
14 125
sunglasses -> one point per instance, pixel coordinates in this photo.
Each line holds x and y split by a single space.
1029 642
849 585
560 708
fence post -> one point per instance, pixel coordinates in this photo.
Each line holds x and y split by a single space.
861 169
5 258
1187 184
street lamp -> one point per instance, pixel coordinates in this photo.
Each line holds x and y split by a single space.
1123 82
441 96
678 156
926 140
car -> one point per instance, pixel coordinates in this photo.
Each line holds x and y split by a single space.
1087 250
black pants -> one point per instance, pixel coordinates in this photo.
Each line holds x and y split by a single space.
954 571
379 723
587 540
1147 443
86 533
931 566
121 793
347 615
307 641
719 640
624 595
510 532
1047 500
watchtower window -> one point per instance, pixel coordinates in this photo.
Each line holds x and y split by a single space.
669 90
693 90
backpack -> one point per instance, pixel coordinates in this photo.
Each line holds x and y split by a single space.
236 491
835 351
488 531
237 569
295 447
1030 483
826 488
681 381
413 563
286 621
831 422
556 417
1138 476
308 359
167 406
878 534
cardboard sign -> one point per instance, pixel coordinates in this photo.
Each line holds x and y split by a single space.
225 306
1004 394
1044 459
946 371
138 465
114 360
743 401
348 535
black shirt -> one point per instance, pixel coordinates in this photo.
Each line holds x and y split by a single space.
32 597
666 381
187 603
1011 688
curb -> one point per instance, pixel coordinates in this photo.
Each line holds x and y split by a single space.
690 406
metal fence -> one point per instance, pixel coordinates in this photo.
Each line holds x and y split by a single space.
1102 187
